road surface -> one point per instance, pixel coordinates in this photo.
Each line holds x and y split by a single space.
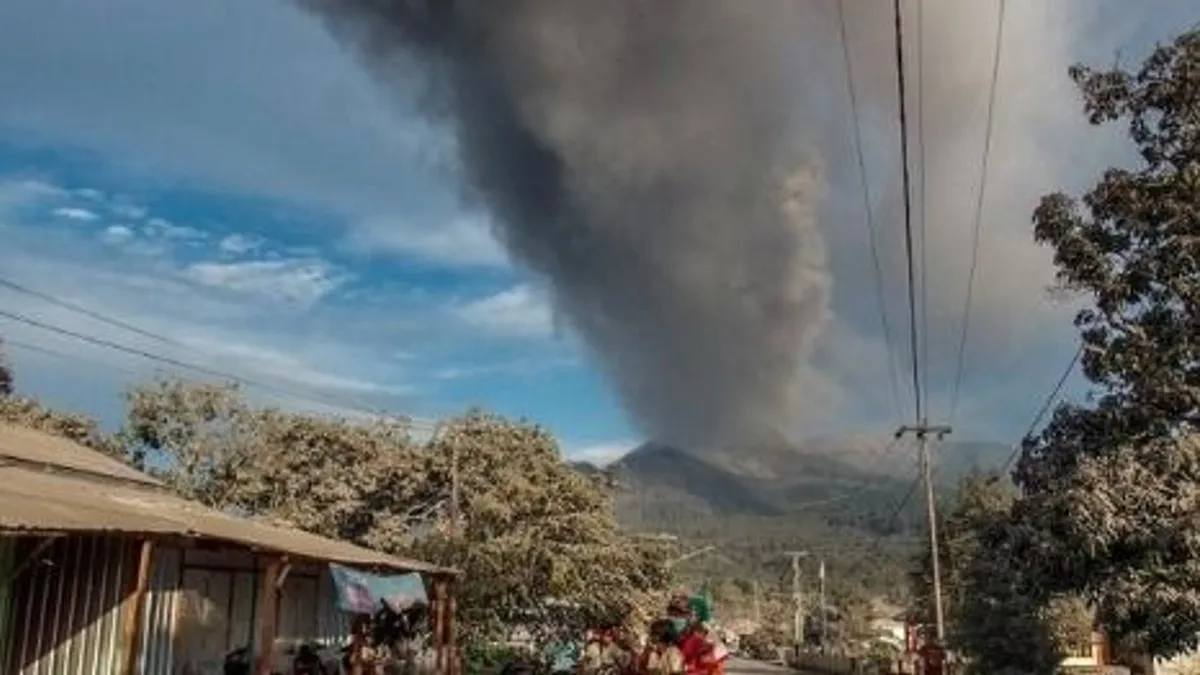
736 666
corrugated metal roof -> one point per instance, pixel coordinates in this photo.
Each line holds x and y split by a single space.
33 500
28 445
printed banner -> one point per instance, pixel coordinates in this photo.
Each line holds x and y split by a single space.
364 593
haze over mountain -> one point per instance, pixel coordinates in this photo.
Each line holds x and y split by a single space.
838 498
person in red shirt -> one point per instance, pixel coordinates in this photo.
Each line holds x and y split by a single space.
703 652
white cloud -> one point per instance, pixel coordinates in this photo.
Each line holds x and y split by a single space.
76 213
601 454
89 194
284 362
520 311
18 194
302 281
162 227
287 367
117 234
130 211
462 241
238 244
515 367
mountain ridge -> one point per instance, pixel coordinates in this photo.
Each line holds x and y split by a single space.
837 499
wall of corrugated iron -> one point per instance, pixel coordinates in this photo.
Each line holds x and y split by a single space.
333 625
158 618
67 608
308 608
7 563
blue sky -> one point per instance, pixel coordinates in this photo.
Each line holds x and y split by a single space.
223 174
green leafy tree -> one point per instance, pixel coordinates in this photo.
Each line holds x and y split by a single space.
1112 484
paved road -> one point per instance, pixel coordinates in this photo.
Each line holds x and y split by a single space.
736 666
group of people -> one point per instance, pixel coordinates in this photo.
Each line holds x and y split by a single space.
681 643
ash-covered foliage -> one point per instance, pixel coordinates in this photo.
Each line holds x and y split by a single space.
6 373
537 541
1114 485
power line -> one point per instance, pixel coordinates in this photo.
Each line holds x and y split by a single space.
908 234
125 325
894 517
210 372
872 233
979 202
39 349
1045 408
66 304
924 291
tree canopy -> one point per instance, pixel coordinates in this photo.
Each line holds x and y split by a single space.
1112 484
996 614
531 535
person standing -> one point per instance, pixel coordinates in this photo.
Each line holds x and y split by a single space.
703 651
662 655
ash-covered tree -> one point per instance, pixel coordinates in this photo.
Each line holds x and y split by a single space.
352 480
537 540
534 537
6 372
1114 485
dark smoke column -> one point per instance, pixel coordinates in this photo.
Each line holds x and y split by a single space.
640 155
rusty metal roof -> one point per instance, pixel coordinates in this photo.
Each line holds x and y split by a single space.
56 487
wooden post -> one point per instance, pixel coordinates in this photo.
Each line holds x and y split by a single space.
132 633
451 639
268 615
439 625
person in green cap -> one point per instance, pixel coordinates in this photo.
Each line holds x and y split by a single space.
703 652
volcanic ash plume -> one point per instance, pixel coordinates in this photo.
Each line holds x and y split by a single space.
639 154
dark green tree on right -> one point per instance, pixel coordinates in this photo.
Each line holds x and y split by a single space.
1110 505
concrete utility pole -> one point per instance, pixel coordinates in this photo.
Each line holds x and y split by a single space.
824 612
922 431
757 607
797 597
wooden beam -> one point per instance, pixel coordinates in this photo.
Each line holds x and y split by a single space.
132 635
268 616
451 641
31 559
439 625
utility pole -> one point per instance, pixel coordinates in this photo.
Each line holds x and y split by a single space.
757 607
454 488
797 597
922 431
824 613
